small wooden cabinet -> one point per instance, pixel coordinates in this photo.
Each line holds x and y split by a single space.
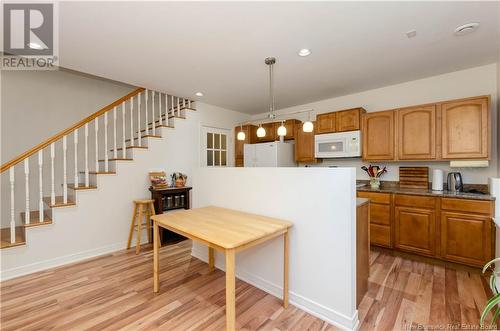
270 133
466 128
326 123
304 145
249 131
290 128
378 135
380 218
417 133
349 119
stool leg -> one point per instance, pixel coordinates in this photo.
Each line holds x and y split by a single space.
129 242
148 225
139 223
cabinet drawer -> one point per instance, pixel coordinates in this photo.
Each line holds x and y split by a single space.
380 235
384 198
380 214
468 206
415 201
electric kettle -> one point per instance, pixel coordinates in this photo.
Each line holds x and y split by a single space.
455 183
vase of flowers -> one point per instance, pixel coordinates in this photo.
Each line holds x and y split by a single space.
374 172
178 179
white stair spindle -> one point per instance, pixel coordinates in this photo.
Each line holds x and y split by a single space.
183 103
106 142
96 134
52 179
87 155
27 188
40 185
75 141
189 104
115 152
131 123
12 205
171 109
153 111
146 107
178 106
160 108
124 150
65 173
139 133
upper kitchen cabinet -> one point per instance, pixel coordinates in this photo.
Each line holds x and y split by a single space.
465 128
270 133
378 135
290 128
249 131
326 123
417 133
349 119
304 145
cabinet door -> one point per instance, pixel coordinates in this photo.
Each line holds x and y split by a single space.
270 133
249 131
465 129
349 120
466 238
415 230
378 135
304 145
417 133
326 123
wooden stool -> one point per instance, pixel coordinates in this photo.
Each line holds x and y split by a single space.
141 208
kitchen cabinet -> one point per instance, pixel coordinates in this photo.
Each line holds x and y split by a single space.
415 224
326 123
466 128
362 250
380 218
349 119
238 144
271 134
378 135
417 133
290 128
304 145
467 236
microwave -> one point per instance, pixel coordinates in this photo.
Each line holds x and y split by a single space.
336 145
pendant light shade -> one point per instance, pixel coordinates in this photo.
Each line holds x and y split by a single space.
241 134
282 130
261 132
308 125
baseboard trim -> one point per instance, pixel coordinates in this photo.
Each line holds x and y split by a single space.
316 309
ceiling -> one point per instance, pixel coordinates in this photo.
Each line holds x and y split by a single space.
219 47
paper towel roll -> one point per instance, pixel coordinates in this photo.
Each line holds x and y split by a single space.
494 188
437 180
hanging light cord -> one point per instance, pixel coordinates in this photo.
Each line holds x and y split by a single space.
271 88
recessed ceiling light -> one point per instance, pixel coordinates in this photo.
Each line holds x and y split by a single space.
35 46
411 33
466 29
199 94
304 52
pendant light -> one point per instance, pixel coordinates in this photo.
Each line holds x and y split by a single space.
282 129
241 134
308 125
261 132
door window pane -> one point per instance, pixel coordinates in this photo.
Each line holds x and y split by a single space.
210 140
210 158
217 141
223 141
217 158
223 158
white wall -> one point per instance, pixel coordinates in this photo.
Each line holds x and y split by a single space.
100 221
322 239
466 83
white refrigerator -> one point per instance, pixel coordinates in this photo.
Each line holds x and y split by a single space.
272 154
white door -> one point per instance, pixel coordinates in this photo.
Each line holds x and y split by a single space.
215 145
266 155
249 155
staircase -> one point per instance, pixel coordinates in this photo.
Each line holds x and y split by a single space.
75 157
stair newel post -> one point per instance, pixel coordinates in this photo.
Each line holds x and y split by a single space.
27 188
87 154
40 185
139 143
123 130
52 179
75 141
96 137
65 172
153 93
106 142
115 152
146 108
12 205
131 124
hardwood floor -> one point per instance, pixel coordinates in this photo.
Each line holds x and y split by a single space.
114 292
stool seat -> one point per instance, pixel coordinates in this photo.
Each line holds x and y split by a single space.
142 208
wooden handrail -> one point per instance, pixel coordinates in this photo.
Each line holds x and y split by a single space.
63 133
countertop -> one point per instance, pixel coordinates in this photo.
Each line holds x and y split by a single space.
393 187
361 201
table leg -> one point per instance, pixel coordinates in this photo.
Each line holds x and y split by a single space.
285 269
230 291
211 258
156 280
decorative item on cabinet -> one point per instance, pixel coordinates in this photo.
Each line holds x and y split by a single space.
178 179
374 172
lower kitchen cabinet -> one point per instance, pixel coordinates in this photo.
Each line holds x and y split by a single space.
415 230
380 218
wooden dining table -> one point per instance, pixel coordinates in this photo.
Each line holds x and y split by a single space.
228 231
